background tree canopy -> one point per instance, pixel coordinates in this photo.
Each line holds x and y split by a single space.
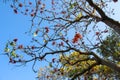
77 38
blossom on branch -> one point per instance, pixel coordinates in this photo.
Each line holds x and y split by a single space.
77 37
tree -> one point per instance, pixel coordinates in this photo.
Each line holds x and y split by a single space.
70 66
64 27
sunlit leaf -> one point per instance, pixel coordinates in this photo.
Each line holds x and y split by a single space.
7 50
12 43
13 54
118 44
73 5
60 34
79 16
35 34
45 40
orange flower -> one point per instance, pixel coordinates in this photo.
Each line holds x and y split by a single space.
20 46
97 33
77 37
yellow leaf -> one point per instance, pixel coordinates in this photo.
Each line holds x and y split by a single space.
61 69
79 16
118 44
67 65
45 41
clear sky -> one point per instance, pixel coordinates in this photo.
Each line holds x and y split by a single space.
13 26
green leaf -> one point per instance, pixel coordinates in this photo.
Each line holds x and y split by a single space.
13 54
119 44
7 49
50 64
73 5
12 43
60 34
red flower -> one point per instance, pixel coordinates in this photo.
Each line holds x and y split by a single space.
20 5
32 14
77 37
33 47
63 12
97 33
75 40
20 46
53 43
53 60
47 30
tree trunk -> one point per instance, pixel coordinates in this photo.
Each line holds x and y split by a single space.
107 63
111 65
115 25
105 19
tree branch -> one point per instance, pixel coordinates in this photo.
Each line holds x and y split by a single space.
107 63
54 52
107 20
85 70
99 10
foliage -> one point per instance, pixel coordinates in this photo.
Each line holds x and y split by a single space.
76 63
76 28
110 48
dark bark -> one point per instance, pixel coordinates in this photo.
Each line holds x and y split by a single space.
107 20
111 65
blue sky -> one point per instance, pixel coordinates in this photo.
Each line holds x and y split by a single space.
13 26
